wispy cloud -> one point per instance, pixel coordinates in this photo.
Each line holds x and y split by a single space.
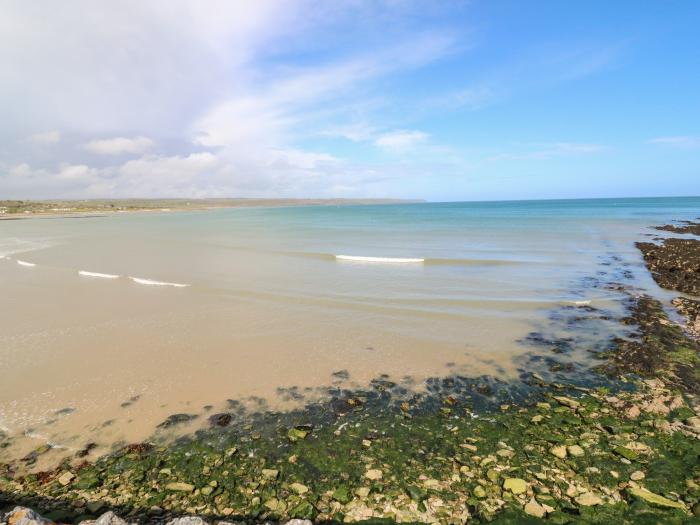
119 145
400 141
47 137
680 141
550 150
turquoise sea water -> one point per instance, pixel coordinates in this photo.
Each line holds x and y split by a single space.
267 303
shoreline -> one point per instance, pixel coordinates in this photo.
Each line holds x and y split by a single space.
74 209
620 449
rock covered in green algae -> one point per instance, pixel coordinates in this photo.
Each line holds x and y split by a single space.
655 499
515 485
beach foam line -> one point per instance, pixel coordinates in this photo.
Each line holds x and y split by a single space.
25 263
96 274
360 258
157 283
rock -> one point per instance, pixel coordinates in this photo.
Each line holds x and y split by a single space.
533 508
177 419
25 516
558 451
515 485
374 474
299 522
65 478
95 506
220 420
270 473
575 451
479 492
187 520
567 401
180 487
297 433
109 518
275 505
637 475
654 499
362 492
537 419
588 499
633 412
298 488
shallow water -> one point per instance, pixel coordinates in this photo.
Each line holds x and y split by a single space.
175 311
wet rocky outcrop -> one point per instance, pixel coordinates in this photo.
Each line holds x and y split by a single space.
690 227
674 263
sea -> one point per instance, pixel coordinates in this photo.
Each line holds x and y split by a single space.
110 324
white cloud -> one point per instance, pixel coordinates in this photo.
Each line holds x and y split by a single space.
119 145
681 141
47 137
400 141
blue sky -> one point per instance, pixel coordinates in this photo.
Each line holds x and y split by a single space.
437 100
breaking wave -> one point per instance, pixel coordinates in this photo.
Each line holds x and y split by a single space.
25 263
359 258
140 280
96 274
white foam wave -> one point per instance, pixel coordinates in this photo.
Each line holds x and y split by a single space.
582 303
25 263
96 274
156 283
379 259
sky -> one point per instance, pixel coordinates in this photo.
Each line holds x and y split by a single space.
435 100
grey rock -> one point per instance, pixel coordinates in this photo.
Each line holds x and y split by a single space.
187 520
24 516
108 518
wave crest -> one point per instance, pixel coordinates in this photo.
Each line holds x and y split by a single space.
151 282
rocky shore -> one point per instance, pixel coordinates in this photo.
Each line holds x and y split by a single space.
620 445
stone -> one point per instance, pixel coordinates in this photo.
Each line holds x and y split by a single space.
558 451
362 492
176 419
575 451
180 487
275 505
270 473
637 475
220 420
66 478
95 506
537 419
374 474
109 518
25 516
588 499
299 522
567 401
298 488
654 499
515 485
533 508
187 520
479 492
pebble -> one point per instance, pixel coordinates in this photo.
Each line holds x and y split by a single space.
575 451
533 508
637 475
515 485
558 451
374 474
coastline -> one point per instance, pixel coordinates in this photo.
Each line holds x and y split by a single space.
621 445
32 209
